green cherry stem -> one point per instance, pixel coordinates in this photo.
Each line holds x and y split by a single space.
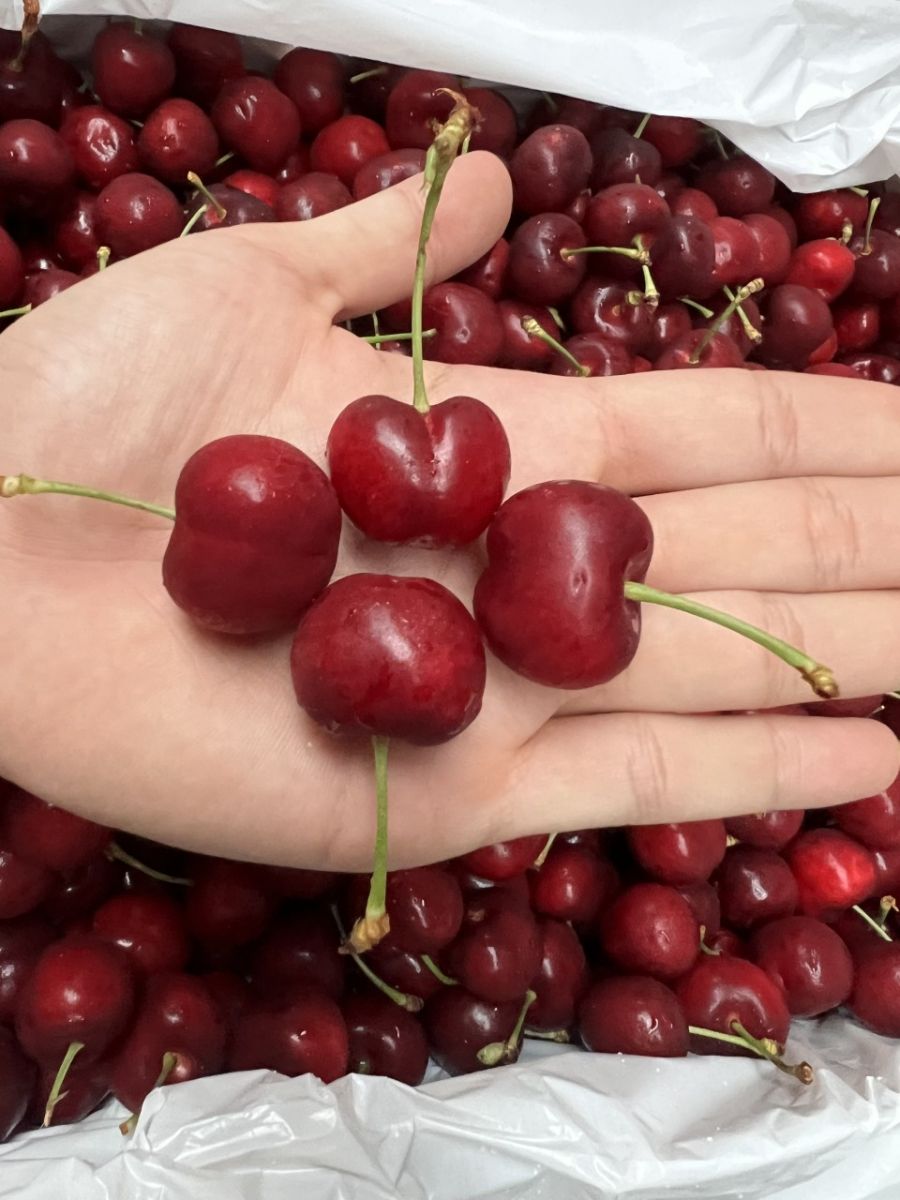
201 211
742 294
441 153
197 183
375 924
639 255
645 120
115 853
495 1053
762 1047
436 971
819 677
168 1066
860 191
875 926
224 158
651 292
56 1092
700 308
15 312
375 339
26 485
560 1036
704 948
31 17
103 254
542 857
750 330
372 73
536 330
873 209
401 999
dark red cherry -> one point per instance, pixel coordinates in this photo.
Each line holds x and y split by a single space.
17 1079
254 183
459 1024
808 960
49 836
434 479
549 169
230 993
101 143
797 322
684 258
82 891
378 174
403 970
619 157
670 323
131 72
830 368
228 904
205 59
704 902
257 121
467 324
556 626
887 871
521 350
45 285
698 349
178 137
304 1034
769 830
314 81
298 950
622 212
540 272
683 852
773 247
736 253
879 368
417 100
877 273
295 165
691 202
496 128
75 234
857 324
722 990
595 354
424 904
824 214
344 147
369 94
650 929
633 1014
498 949
136 212
488 273
384 1039
574 884
678 139
755 885
36 167
611 311
32 79
825 265
254 511
888 214
12 271
148 928
22 941
296 883
23 885
832 870
228 207
737 185
561 978
590 118
504 860
875 999
311 196
732 326
874 821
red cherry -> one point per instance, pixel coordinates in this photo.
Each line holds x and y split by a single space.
488 273
832 870
539 271
12 272
857 324
178 137
136 212
678 139
670 323
148 928
610 311
467 324
295 165
378 174
23 885
685 852
684 256
561 978
458 1025
75 234
384 1039
619 213
737 256
228 904
417 100
101 143
434 479
45 285
698 350
737 185
299 950
424 904
797 322
36 166
496 128
229 992
691 202
887 871
824 214
369 94
875 820
504 860
305 1034
85 1089
725 942
704 902
345 146
258 513
619 157
549 169
205 59
633 1014
222 207
295 883
824 265
830 368
498 950
49 836
769 830
521 350
650 929
254 183
22 941
567 110
574 884
314 81
723 990
755 885
131 71
773 247
403 970
877 272
257 121
732 326
311 196
879 368
387 677
807 960
82 891
32 78
875 999
17 1079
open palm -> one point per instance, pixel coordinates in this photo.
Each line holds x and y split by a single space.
113 704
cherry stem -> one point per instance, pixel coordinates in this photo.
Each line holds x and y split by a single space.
701 308
846 233
372 73
819 677
749 328
436 971
542 857
742 294
645 119
495 1053
26 485
224 158
858 191
219 209
639 255
703 946
103 254
763 1047
441 153
54 1098
534 329
31 17
876 926
375 339
168 1066
557 319
115 853
731 840
560 1036
401 999
651 292
375 923
15 312
873 209
551 103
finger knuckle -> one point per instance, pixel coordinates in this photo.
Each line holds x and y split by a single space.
776 615
647 773
833 534
778 423
788 765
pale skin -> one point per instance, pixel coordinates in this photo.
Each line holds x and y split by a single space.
773 496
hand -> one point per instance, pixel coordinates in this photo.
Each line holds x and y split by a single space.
775 495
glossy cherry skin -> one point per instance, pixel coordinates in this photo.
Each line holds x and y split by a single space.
17 1079
832 870
49 836
808 960
736 254
36 167
314 81
574 884
555 625
136 212
403 970
523 351
75 237
670 323
228 904
650 929
256 512
754 886
773 247
722 990
304 1034
704 903
345 146
22 941
879 368
12 270
45 285
396 657
467 324
561 978
678 139
605 308
424 905
299 949
458 1025
691 202
416 101
877 273
824 214
488 273
240 208
433 479
619 157
148 928
81 989
178 137
737 185
81 891
311 196
32 88
875 999
254 183
539 271
857 324
549 168
498 950
101 143
496 128
378 174
204 60
797 322
770 830
874 821
504 860
633 1014
23 885
590 118
684 257
624 211
384 1039
683 852
257 121
131 72
825 265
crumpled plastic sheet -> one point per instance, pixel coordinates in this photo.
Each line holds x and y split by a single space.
561 1125
811 88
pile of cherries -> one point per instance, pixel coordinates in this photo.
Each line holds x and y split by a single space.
126 965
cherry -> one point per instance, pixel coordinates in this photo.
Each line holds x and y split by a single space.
614 313
416 104
304 1034
371 86
296 883
769 830
832 870
488 273
725 941
311 196
32 78
683 852
257 121
741 326
704 903
540 271
80 990
101 143
458 1025
549 169
44 285
670 323
691 202
378 174
178 137
590 118
736 252
619 157
221 207
346 145
300 949
678 139
131 72
403 970
496 128
857 324
136 212
49 836
148 928
773 247
824 214
467 324
254 511
633 1014
722 991
205 59
12 270
574 884
504 860
424 904
177 1016
807 960
852 706
888 215
84 1090
737 185
314 82
498 950
825 265
523 349
254 183
22 941
875 820
797 322
593 354
75 237
619 213
561 978
23 885
230 993
81 891
684 257
755 885
36 166
875 998
384 1039
877 273
829 368
880 368
650 929
17 1079
473 886
228 904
